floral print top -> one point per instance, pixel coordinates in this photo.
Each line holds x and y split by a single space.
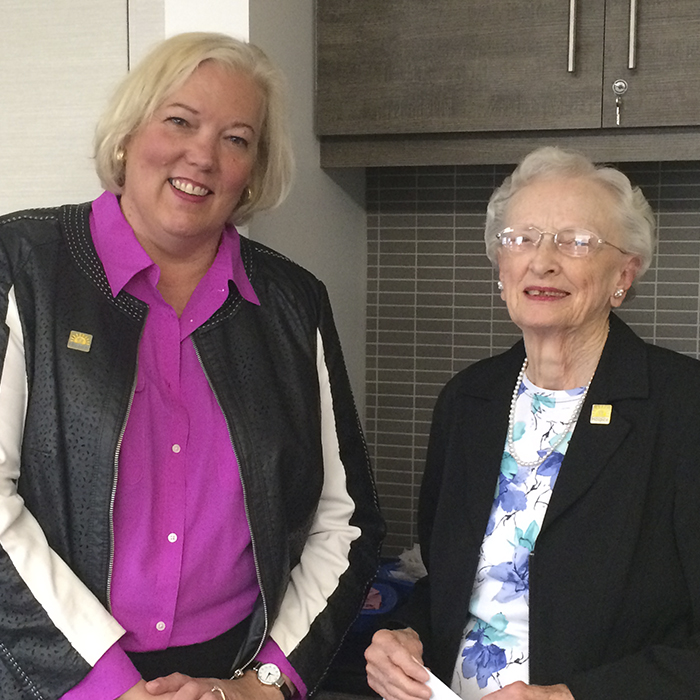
494 651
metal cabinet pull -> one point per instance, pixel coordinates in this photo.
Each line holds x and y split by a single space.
571 64
632 46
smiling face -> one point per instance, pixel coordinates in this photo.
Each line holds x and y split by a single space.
187 166
549 292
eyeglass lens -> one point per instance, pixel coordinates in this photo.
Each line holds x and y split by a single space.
574 242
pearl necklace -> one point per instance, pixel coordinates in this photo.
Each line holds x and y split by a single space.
560 438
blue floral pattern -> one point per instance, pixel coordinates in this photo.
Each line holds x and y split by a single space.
494 651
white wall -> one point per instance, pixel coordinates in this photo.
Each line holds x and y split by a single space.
227 16
323 224
153 20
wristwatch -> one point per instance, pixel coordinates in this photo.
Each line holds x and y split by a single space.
269 674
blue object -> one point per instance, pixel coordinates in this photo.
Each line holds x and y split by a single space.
386 574
388 597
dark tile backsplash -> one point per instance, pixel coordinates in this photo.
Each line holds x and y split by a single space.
433 308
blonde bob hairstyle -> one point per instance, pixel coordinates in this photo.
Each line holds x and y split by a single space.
635 216
164 70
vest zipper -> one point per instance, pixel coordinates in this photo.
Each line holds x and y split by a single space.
113 495
238 672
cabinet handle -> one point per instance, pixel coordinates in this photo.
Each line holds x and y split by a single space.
571 63
632 46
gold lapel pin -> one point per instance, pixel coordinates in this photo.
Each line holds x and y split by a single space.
79 341
600 413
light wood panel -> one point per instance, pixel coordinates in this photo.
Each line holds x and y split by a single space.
59 60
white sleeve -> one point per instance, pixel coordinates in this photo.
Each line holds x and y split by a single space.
326 553
72 608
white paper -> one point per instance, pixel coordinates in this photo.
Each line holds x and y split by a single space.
440 690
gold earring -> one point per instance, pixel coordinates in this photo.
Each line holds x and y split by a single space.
121 156
246 196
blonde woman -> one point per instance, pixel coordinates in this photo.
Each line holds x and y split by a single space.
186 505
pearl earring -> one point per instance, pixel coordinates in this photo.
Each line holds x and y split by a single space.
499 284
619 293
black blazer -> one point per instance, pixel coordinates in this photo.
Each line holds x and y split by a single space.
615 575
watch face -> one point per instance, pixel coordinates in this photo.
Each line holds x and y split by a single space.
269 674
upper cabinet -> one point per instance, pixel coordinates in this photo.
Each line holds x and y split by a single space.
483 80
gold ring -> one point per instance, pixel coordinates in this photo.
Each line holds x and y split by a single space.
220 691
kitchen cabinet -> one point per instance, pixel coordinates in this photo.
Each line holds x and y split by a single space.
414 76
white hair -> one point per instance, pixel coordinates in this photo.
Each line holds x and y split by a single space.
637 222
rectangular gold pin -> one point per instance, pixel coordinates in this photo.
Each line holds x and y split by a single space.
79 341
600 413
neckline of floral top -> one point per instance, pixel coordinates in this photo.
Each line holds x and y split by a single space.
523 381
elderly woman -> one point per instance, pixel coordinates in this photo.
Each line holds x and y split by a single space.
184 486
579 577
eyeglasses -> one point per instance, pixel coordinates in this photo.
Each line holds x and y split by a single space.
574 242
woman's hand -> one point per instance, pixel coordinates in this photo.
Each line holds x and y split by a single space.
523 691
178 686
395 665
139 692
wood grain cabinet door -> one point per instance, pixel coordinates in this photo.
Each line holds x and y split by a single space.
412 66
